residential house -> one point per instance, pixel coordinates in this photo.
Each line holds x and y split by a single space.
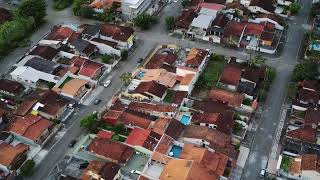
230 77
131 9
34 129
30 76
233 99
183 22
143 140
175 129
159 110
149 90
11 88
73 88
186 78
59 33
196 58
306 99
90 31
278 21
103 170
133 119
285 2
101 5
106 47
216 31
110 150
84 48
161 76
223 121
122 35
45 52
233 33
86 69
159 59
12 156
160 125
43 65
262 6
201 23
5 15
310 166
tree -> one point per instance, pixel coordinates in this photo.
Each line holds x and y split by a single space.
169 22
77 6
32 8
89 121
27 168
124 54
292 90
86 12
145 21
294 8
306 70
126 78
185 3
257 61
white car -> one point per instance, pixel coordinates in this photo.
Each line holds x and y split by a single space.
107 83
262 173
135 172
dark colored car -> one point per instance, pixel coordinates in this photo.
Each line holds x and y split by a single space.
97 101
72 143
140 60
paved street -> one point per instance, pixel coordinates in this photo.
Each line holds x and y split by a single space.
158 35
261 146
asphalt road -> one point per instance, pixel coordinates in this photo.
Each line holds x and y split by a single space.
158 35
261 146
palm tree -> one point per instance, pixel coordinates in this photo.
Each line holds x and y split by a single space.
126 78
257 61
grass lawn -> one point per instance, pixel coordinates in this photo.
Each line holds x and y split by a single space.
209 77
169 97
285 163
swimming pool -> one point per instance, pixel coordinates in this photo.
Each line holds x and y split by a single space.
185 119
141 74
175 151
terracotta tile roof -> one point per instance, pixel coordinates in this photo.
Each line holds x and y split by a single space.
210 106
176 169
174 129
138 136
219 141
309 96
53 102
158 60
231 98
231 75
310 162
119 33
111 149
152 140
90 68
105 4
273 17
149 107
225 122
73 37
11 87
45 52
151 87
209 118
160 125
133 118
237 5
30 126
9 153
253 74
111 117
295 166
104 134
187 79
159 157
307 134
312 118
165 143
211 6
234 28
161 76
5 15
212 162
310 84
196 57
109 43
185 19
25 107
59 33
254 29
179 96
220 21
106 170
264 4
73 86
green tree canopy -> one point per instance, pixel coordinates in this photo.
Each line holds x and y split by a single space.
169 22
306 70
89 121
294 8
124 54
32 8
27 168
145 21
126 78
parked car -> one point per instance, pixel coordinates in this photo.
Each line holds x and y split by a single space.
72 143
96 101
135 172
140 60
262 173
107 83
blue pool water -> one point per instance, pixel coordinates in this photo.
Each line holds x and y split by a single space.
175 151
185 120
141 74
315 46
